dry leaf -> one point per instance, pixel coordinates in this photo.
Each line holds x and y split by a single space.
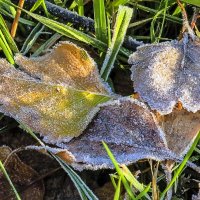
22 177
129 129
56 95
181 128
66 65
166 73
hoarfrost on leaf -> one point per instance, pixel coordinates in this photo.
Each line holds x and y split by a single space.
56 95
129 129
166 73
59 94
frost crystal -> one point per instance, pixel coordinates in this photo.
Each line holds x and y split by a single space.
166 73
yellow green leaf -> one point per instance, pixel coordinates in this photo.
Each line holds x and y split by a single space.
56 95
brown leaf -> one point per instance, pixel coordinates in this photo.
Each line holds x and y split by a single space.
166 73
129 129
181 128
21 175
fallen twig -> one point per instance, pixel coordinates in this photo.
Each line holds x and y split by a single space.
16 20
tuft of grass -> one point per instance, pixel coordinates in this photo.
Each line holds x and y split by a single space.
179 170
122 21
120 173
131 184
6 41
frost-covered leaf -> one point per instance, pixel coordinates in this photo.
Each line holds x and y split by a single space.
22 177
168 72
67 65
56 95
181 128
129 129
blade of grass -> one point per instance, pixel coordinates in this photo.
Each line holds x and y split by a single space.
80 7
118 189
2 168
6 49
100 20
192 2
139 22
163 21
117 3
82 188
47 44
21 20
153 22
119 171
122 21
133 181
39 3
6 33
30 40
147 9
144 192
182 165
113 177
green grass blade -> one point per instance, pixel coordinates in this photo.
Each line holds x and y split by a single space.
118 189
133 181
144 192
39 3
182 165
154 11
100 20
122 21
82 188
6 33
47 44
163 21
192 2
141 22
2 168
3 11
36 5
80 7
119 171
33 36
162 12
113 177
6 49
11 9
69 31
117 3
